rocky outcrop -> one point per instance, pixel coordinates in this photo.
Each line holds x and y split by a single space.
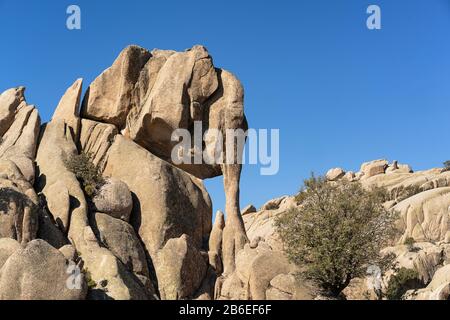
39 272
162 209
262 269
119 237
68 207
145 232
175 99
18 205
420 197
19 128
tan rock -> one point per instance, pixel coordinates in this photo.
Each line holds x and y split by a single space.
68 109
55 181
425 216
215 243
114 199
38 272
7 247
180 269
149 75
108 99
69 252
18 205
335 174
185 86
349 176
95 139
111 278
169 105
374 168
273 204
9 102
120 238
248 209
20 133
56 144
162 209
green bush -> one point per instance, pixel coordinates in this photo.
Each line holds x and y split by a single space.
90 282
410 244
407 192
337 232
86 172
447 165
402 281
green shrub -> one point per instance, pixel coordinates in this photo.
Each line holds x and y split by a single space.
410 244
402 281
90 282
337 232
447 165
86 172
407 192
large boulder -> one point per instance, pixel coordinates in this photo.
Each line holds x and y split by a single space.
374 168
9 102
438 289
19 129
120 238
7 247
425 216
19 208
68 108
335 174
39 272
167 202
114 198
176 97
180 269
108 99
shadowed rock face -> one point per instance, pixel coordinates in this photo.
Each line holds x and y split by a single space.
18 205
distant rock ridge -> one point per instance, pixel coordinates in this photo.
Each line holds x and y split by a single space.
423 200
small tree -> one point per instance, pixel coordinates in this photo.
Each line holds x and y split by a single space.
86 172
336 232
410 244
401 282
447 165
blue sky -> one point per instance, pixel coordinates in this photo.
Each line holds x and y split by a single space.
339 93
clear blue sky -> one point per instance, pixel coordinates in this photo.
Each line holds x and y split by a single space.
339 93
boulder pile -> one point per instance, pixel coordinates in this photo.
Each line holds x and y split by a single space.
145 233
